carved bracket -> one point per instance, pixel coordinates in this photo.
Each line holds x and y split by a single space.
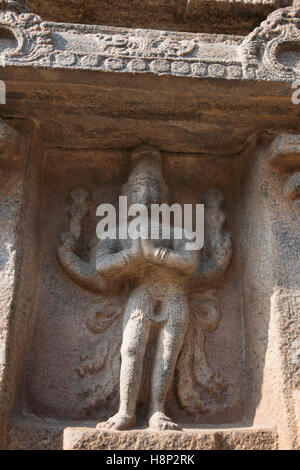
273 49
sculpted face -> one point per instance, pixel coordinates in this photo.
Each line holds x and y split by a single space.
145 191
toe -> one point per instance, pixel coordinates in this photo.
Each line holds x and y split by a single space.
100 425
110 425
175 427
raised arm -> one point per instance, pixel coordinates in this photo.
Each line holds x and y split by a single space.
219 241
83 273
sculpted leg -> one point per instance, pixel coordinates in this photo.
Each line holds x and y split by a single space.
169 345
135 337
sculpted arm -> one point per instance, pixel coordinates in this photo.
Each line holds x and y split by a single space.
178 258
111 261
220 242
182 260
82 272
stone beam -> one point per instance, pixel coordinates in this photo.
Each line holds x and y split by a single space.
269 53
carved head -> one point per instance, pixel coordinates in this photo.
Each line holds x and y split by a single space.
145 184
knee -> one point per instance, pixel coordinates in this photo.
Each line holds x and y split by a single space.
178 310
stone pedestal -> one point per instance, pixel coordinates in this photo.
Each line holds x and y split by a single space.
189 439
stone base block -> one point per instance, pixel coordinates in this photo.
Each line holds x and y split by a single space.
36 434
190 439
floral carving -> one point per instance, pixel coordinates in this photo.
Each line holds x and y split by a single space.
114 44
261 48
33 36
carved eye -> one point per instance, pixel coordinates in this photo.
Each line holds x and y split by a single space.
7 40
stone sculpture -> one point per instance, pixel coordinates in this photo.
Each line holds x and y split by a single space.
159 275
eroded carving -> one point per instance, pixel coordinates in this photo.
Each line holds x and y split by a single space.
33 36
19 5
165 286
284 155
198 386
270 52
83 273
272 49
292 190
162 46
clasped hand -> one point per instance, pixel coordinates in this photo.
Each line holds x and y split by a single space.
148 251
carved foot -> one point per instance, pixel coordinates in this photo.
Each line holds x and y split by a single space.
160 422
118 422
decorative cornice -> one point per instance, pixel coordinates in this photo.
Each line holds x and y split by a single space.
70 46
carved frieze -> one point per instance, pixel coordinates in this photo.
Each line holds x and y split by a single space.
270 52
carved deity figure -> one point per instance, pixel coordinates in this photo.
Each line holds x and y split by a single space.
159 273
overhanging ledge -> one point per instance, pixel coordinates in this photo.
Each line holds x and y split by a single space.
270 52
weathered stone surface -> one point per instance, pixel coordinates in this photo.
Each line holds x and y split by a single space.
211 16
32 434
221 439
284 152
15 5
